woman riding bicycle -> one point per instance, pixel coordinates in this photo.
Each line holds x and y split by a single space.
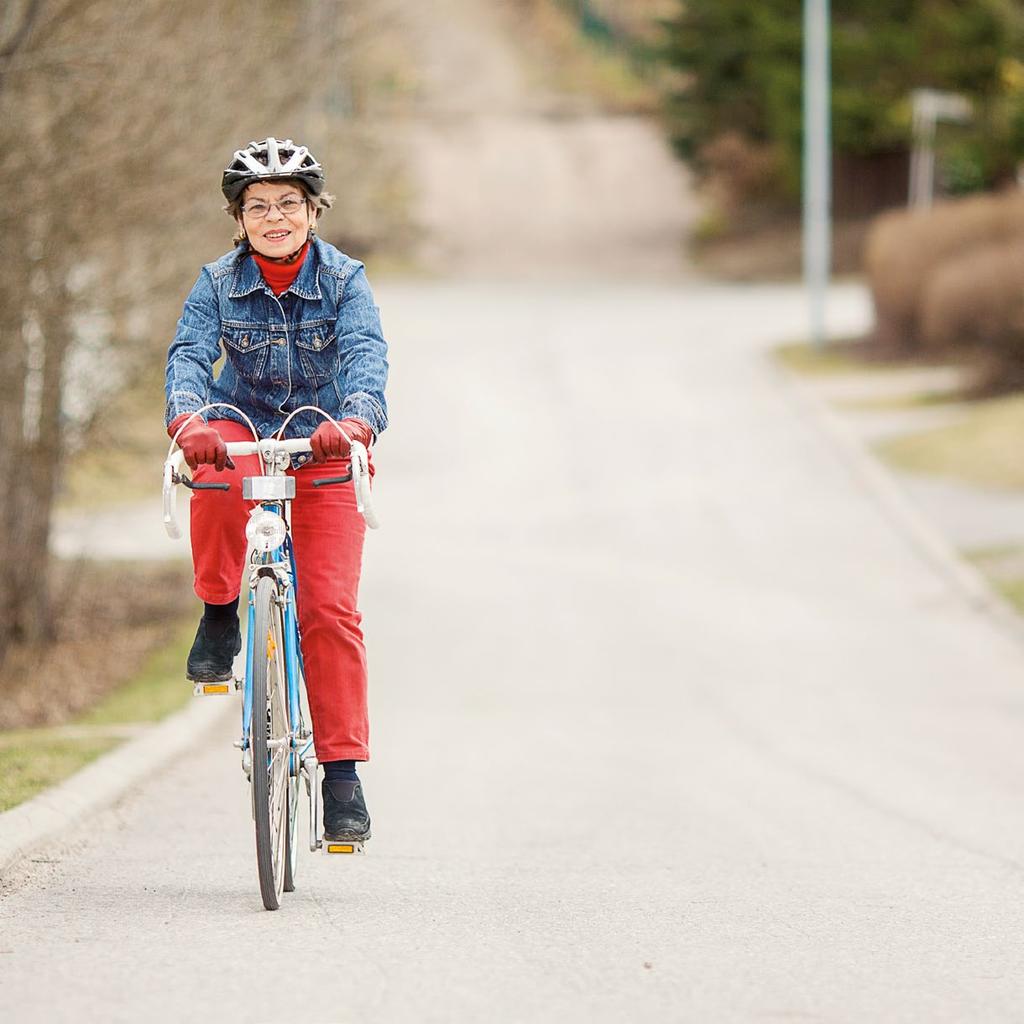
296 320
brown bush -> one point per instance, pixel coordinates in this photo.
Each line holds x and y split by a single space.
904 248
739 172
977 299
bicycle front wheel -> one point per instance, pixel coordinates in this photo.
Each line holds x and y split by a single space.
270 737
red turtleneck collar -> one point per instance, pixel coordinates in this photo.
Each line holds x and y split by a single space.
280 275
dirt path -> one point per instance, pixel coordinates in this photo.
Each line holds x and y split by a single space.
513 177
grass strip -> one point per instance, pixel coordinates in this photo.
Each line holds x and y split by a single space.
1012 590
840 356
901 402
981 449
855 355
31 763
1003 566
33 759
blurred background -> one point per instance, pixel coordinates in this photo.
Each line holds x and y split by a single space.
657 141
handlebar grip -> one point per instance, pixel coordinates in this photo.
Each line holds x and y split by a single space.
360 468
328 480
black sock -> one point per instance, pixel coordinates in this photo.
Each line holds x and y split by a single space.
221 612
340 771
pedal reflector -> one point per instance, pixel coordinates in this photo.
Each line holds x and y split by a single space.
330 847
206 689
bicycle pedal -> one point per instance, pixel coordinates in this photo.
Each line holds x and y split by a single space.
331 846
214 689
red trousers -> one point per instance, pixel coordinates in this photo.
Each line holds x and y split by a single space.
327 536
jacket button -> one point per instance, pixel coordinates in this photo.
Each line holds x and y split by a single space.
278 341
244 343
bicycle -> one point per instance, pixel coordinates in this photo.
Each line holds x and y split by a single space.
275 733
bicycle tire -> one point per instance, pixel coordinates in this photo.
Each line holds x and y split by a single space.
291 841
269 760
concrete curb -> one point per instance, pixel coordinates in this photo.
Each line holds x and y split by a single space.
50 815
928 541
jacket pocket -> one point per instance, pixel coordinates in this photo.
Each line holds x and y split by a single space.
247 349
318 354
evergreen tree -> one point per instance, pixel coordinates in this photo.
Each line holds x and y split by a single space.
741 72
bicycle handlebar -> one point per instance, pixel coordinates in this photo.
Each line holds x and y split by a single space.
267 449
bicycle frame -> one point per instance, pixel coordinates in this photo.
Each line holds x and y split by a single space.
281 562
301 760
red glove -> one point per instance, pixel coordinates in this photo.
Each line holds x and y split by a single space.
328 443
200 443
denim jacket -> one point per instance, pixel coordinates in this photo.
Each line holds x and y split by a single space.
319 343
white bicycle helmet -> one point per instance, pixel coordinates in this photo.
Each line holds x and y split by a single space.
270 159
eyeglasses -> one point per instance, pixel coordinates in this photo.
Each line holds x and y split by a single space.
257 209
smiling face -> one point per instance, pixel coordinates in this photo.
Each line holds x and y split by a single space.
277 234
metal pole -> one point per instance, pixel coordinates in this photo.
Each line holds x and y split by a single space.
930 107
928 168
816 165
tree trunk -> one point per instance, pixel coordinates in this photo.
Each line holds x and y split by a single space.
13 373
41 454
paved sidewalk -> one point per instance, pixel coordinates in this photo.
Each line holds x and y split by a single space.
970 517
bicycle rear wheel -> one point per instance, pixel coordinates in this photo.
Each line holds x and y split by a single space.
270 737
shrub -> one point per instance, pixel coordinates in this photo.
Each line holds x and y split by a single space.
977 299
904 248
740 172
738 70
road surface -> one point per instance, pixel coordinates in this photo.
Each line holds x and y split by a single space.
670 720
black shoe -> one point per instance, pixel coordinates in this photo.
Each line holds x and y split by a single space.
213 650
345 815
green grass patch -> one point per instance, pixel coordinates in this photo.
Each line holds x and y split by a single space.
857 355
1012 590
30 762
1003 566
33 759
840 356
994 554
901 402
982 449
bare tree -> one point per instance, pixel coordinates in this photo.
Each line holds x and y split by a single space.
114 119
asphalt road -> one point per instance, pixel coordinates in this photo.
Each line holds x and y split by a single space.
671 722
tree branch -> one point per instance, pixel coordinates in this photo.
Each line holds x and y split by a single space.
21 33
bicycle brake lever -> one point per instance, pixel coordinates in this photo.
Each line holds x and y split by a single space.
327 480
187 482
